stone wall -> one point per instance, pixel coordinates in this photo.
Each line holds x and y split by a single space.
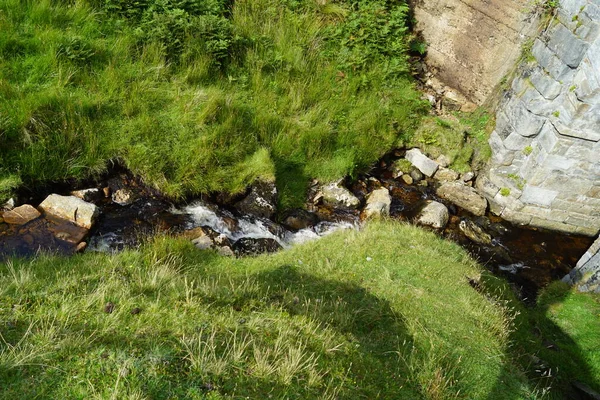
545 168
586 274
473 44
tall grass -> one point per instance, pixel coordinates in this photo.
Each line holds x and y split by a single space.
198 96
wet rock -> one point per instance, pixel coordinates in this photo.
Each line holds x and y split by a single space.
253 246
123 197
378 204
406 178
20 215
81 247
300 219
416 175
446 175
433 214
70 208
90 195
66 231
334 195
463 196
422 162
261 201
474 232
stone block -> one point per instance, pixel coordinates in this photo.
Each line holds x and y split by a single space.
423 163
567 46
546 213
544 84
538 195
516 217
548 137
548 60
516 142
485 186
523 121
553 225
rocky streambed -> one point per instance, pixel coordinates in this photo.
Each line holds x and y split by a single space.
119 211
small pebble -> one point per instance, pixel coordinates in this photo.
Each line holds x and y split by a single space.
136 311
369 259
109 308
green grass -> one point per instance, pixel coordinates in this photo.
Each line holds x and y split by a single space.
386 312
202 96
463 139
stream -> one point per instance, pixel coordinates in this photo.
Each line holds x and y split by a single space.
529 258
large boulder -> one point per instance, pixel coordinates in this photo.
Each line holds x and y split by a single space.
463 196
20 215
261 201
433 214
334 195
422 162
378 204
70 208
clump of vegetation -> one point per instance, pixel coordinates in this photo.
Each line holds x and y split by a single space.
385 312
186 93
505 192
527 150
462 137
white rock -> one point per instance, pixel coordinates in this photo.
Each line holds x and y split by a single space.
434 214
71 208
378 204
422 162
338 196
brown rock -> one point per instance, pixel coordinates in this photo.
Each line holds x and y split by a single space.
81 247
20 215
109 307
463 196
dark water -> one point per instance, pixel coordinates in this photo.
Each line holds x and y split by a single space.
528 257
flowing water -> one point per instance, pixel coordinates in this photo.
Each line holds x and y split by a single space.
529 258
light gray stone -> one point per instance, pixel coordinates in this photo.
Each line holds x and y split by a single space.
463 196
523 121
549 61
544 84
335 195
538 195
70 208
378 204
433 214
568 47
426 165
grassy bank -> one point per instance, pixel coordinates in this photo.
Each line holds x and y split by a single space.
201 96
387 313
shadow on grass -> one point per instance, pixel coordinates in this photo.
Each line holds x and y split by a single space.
367 366
554 363
292 183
